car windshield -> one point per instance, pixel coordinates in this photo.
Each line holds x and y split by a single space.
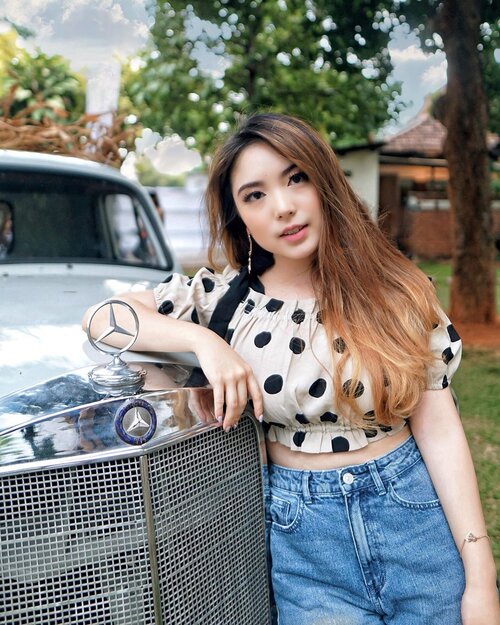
58 217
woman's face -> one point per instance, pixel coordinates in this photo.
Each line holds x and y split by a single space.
278 204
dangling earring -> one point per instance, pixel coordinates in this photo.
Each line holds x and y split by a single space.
249 253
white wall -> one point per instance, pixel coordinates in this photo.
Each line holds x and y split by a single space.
362 165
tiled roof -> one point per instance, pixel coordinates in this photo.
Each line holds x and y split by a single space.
424 138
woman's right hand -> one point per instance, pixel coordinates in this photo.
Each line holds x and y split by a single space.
231 378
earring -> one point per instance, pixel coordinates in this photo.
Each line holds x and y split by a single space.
249 252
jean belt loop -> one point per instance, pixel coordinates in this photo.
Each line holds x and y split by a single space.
377 480
306 493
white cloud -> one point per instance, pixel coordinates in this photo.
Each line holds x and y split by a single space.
171 156
435 76
409 54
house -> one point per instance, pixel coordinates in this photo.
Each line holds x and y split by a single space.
412 175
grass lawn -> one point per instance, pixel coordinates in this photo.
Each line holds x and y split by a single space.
440 272
477 384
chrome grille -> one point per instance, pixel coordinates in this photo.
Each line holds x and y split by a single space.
74 540
207 504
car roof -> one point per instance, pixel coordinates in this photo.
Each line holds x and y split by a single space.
57 164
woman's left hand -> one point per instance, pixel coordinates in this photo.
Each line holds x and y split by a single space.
480 605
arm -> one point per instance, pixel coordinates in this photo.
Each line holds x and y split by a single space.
439 434
231 377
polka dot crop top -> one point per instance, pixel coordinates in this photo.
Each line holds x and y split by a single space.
285 344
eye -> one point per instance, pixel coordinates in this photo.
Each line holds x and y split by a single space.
252 196
298 176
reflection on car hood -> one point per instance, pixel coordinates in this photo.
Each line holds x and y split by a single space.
41 308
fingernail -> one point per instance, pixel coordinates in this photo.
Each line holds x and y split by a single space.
219 419
235 426
227 429
261 418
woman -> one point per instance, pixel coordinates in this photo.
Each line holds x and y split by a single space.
341 345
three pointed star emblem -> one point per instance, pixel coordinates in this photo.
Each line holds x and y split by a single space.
138 422
113 327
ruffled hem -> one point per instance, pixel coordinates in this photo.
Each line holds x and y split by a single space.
323 440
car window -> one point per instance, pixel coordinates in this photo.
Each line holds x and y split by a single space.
131 233
53 217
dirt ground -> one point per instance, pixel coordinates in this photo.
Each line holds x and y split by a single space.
479 335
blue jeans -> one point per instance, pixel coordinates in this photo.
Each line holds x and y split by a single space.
362 545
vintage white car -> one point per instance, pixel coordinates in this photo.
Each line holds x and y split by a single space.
118 504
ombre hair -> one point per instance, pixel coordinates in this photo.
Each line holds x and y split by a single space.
369 294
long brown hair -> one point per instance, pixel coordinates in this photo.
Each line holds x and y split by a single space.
370 295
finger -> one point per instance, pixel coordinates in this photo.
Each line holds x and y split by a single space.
218 390
256 396
232 405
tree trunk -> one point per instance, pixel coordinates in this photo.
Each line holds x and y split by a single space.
466 119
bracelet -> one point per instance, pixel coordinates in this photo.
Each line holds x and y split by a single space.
472 538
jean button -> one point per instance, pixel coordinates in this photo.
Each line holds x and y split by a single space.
348 478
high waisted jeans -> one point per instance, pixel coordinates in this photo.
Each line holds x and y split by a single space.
362 545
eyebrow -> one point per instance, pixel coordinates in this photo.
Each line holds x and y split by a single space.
257 183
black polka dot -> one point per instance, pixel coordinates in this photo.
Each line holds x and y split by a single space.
339 443
452 333
301 418
385 428
445 382
250 305
194 316
447 355
273 384
298 438
297 345
168 278
435 325
208 285
358 391
369 416
329 417
262 339
370 433
319 318
273 305
210 269
229 335
339 345
166 307
298 315
317 388
190 282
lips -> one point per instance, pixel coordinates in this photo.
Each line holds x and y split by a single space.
291 230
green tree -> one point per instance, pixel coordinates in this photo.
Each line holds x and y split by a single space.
315 59
45 83
467 31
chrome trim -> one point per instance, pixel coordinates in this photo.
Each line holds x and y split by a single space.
151 534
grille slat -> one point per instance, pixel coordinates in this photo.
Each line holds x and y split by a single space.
74 540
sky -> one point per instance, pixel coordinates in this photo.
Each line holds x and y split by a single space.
90 33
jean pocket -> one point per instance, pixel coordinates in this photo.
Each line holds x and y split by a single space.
284 510
414 489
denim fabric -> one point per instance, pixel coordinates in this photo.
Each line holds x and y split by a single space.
362 545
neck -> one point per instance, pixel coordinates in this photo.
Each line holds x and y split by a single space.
289 278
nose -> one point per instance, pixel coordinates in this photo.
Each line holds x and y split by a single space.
283 206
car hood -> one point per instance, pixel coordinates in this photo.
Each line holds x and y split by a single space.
41 307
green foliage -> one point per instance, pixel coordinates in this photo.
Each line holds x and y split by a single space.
477 384
37 80
316 60
149 176
421 16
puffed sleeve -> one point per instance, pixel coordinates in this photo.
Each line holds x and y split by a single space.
192 299
446 348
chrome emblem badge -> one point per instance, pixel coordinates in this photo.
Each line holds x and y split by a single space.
116 377
135 421
113 328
